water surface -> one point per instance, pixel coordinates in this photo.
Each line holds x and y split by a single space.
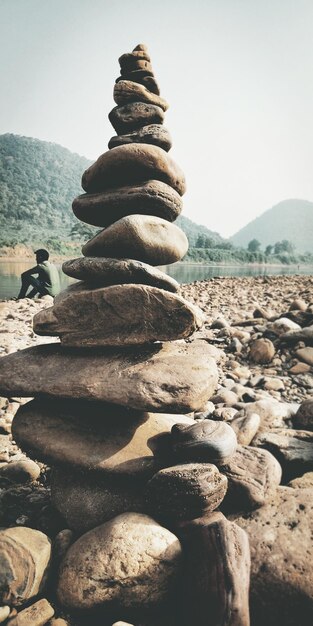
10 272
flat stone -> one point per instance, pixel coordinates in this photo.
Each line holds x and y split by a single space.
24 560
128 563
292 448
252 476
185 491
283 325
104 272
131 164
149 198
300 368
155 134
206 441
86 500
134 115
141 237
216 580
38 614
304 416
280 537
107 439
126 91
141 77
246 427
173 377
119 316
262 351
306 355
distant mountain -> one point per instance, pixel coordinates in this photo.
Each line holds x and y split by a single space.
290 219
38 182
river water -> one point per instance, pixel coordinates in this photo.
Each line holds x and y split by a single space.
10 272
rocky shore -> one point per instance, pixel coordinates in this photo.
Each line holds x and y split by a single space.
261 334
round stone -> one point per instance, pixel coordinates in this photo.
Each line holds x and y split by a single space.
262 351
135 115
130 562
131 164
141 237
185 491
304 416
206 441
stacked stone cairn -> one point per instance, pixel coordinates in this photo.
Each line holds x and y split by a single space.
136 478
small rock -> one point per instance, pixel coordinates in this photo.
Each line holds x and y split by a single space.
185 491
306 355
303 482
293 449
24 471
262 351
300 368
61 544
24 560
246 427
37 614
298 305
225 396
4 613
207 441
304 416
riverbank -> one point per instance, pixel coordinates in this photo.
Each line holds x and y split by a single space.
263 380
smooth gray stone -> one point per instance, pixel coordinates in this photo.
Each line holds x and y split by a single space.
106 271
141 237
205 441
118 315
131 164
155 134
135 115
174 377
150 198
126 91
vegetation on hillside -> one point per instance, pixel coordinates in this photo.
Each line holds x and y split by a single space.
38 182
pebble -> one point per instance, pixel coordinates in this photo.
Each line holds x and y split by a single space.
37 614
4 613
262 351
24 471
206 441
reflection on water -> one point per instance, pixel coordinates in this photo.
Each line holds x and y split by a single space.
10 272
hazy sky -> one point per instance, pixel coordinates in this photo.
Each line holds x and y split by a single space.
238 75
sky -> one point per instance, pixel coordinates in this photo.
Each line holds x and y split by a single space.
236 73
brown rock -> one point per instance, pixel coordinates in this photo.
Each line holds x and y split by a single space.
281 559
185 491
292 448
304 416
106 271
141 77
155 134
86 500
126 91
37 614
300 368
134 115
135 64
142 237
107 439
119 316
128 563
217 571
173 377
206 441
24 560
149 198
131 164
306 355
298 305
252 475
303 482
246 427
23 471
262 351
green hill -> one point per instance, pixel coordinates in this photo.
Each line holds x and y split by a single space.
38 182
290 220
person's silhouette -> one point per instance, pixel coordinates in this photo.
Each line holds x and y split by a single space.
47 281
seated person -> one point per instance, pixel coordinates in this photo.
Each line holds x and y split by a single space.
47 281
